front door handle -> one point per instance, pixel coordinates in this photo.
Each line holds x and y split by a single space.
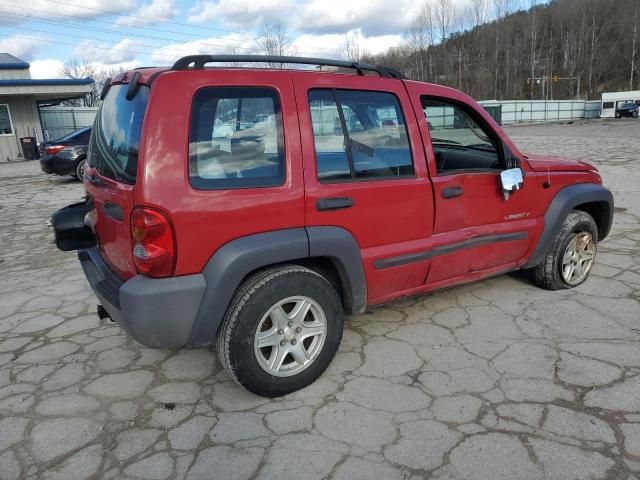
452 192
334 203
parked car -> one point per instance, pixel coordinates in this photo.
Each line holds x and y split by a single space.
628 109
261 247
66 155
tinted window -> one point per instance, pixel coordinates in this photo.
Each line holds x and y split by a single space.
5 120
114 147
607 105
79 136
359 135
235 138
459 141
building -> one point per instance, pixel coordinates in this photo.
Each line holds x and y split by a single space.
612 100
20 98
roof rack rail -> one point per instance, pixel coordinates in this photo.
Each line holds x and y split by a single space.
199 61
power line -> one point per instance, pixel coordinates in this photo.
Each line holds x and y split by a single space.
181 51
189 25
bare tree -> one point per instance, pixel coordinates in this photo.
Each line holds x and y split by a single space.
353 48
274 39
419 38
444 13
82 68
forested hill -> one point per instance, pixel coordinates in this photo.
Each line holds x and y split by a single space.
585 46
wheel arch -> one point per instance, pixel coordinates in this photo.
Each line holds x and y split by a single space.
329 251
591 198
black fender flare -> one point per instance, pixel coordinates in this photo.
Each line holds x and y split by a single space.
227 268
566 200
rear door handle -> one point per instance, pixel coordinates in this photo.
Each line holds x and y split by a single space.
334 203
451 192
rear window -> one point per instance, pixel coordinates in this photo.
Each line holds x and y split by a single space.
116 139
236 139
81 135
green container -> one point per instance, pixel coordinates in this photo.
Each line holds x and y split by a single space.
495 111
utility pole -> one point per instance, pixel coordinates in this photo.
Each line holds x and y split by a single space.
633 47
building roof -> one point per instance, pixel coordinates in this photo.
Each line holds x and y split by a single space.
9 62
28 82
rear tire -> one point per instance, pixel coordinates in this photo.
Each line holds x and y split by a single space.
79 170
568 264
281 331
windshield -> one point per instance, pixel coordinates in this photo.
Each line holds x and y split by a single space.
114 147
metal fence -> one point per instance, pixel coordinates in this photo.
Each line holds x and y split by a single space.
515 111
59 121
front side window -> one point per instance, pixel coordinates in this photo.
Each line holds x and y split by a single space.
459 141
359 135
5 120
236 138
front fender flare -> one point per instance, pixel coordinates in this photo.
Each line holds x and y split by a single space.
566 200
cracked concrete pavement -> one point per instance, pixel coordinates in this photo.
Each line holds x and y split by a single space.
492 380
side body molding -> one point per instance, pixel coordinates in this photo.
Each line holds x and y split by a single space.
341 248
566 200
238 258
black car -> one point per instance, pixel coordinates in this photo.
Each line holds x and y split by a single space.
628 109
67 155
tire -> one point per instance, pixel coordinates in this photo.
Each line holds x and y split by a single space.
549 274
256 307
79 170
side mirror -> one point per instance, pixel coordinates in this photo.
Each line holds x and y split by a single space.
511 180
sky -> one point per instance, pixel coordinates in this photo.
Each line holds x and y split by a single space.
130 33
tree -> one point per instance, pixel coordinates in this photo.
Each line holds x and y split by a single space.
353 48
82 68
274 39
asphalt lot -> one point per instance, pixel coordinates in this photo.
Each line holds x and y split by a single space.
492 380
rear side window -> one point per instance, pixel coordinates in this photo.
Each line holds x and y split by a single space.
236 139
359 135
118 126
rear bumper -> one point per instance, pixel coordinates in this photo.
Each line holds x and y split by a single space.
57 165
158 313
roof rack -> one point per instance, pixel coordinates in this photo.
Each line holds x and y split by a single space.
199 61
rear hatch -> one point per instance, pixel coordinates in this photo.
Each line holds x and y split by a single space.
110 176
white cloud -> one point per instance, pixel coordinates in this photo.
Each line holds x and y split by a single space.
65 8
47 68
51 67
122 52
373 17
21 46
233 43
331 45
242 13
154 12
327 45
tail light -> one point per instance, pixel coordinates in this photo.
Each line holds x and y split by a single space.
154 251
52 150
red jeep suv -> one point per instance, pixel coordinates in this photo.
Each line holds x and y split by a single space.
257 206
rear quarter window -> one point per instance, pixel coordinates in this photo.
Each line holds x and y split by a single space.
236 138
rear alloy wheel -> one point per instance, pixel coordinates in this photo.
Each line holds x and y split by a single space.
281 330
569 261
79 172
290 336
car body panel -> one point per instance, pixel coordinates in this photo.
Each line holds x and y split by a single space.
398 236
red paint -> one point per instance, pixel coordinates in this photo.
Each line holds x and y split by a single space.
390 218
